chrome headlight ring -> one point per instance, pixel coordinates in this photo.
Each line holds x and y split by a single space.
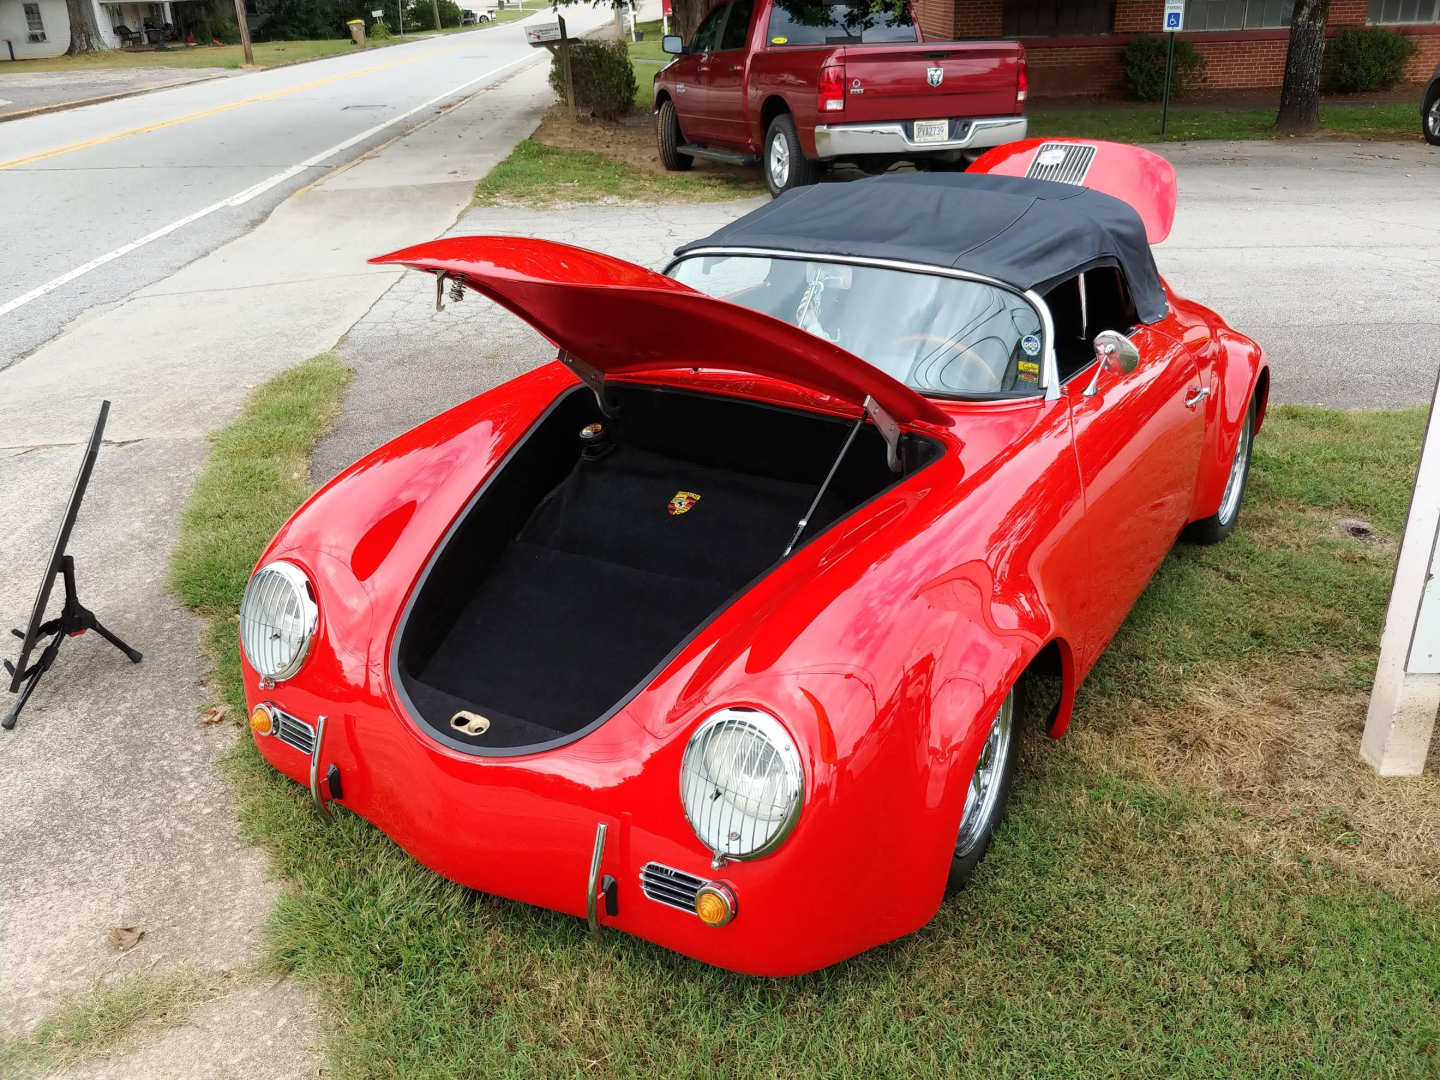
278 620
741 783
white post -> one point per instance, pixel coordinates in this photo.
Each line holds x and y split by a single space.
1406 697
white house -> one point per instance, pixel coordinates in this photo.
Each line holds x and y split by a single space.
33 28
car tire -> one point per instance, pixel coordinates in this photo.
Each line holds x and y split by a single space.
989 790
784 162
669 138
1219 525
1430 125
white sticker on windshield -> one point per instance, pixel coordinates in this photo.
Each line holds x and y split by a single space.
1031 344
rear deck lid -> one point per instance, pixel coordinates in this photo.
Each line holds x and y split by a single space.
1131 174
622 320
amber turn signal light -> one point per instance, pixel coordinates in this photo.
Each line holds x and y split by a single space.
715 903
262 720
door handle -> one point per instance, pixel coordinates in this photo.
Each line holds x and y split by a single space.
734 67
1196 395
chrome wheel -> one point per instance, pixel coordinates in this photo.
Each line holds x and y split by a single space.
779 160
1432 119
1235 484
983 798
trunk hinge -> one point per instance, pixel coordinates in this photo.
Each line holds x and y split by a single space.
592 377
457 288
889 431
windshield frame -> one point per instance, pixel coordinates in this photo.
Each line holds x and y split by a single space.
1049 366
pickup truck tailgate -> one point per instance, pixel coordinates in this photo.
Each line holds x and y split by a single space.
896 81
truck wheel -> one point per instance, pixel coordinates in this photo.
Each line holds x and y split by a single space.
786 165
667 133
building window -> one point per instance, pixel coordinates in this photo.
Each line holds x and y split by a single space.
1237 14
1058 18
34 23
1404 11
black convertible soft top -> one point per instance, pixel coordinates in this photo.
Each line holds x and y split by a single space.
1031 234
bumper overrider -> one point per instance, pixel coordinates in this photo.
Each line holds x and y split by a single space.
597 829
896 138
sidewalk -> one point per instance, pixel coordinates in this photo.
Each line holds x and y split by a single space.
115 813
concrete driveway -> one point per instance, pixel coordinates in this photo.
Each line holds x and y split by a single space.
114 811
1328 253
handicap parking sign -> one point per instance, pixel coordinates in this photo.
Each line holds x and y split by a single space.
1172 20
1174 16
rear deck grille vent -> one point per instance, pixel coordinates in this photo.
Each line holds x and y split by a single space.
1065 163
666 885
295 732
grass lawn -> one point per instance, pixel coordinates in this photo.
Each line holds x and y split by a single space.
1200 880
1141 123
539 174
267 54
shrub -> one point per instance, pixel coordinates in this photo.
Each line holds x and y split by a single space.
379 31
1143 67
421 16
604 79
1362 60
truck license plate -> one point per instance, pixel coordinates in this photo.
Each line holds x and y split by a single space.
928 131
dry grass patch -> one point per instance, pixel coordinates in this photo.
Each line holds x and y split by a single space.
1289 760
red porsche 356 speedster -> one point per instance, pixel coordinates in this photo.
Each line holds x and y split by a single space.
725 613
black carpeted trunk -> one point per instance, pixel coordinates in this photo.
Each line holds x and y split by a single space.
570 579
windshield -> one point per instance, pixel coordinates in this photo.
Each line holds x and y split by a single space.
854 23
939 335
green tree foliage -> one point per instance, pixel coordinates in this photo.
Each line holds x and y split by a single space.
1142 67
1357 61
604 79
309 20
420 15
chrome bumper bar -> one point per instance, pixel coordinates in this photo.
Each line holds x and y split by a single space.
849 140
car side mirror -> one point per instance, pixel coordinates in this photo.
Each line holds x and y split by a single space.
1116 353
673 44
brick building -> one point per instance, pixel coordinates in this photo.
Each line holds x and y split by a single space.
1074 45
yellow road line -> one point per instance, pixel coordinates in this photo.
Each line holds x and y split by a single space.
100 140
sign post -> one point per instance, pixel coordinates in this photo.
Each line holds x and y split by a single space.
1406 695
1174 23
552 36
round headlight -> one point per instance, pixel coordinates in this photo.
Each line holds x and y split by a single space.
277 620
741 783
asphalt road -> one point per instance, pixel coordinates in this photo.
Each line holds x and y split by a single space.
100 201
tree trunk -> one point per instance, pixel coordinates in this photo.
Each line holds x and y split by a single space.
1300 92
84 34
687 17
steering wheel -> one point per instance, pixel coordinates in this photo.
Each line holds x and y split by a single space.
978 374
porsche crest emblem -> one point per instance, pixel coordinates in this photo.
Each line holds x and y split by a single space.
681 502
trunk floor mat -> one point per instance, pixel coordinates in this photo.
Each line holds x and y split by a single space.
604 581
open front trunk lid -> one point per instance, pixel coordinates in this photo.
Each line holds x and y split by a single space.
621 319
930 79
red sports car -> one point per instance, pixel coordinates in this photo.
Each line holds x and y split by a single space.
715 629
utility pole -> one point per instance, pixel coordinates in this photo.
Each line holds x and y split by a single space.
244 33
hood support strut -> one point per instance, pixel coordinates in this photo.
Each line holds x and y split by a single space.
592 377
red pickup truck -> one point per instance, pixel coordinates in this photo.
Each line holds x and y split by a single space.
794 84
